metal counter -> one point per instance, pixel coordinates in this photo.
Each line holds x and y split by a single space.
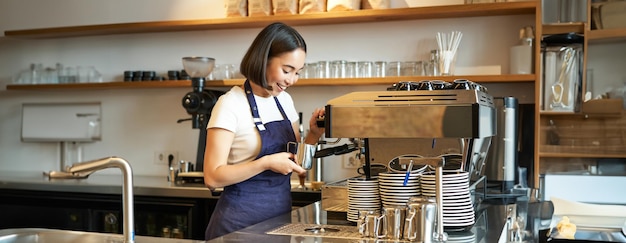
489 224
157 186
102 184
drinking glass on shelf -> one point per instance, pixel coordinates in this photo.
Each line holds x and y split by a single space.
323 69
364 69
394 69
379 69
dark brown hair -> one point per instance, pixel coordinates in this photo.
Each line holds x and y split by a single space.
274 40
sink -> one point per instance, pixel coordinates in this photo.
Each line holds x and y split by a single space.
37 235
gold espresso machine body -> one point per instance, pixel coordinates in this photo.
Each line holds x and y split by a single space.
466 115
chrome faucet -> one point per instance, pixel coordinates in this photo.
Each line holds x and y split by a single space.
83 169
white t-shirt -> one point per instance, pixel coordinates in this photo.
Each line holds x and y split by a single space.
232 112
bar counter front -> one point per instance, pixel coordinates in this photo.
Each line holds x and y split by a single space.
313 224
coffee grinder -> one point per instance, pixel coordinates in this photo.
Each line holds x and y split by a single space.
199 102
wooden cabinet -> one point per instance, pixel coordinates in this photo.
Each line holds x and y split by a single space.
576 140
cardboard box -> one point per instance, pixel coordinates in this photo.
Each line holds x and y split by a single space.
603 106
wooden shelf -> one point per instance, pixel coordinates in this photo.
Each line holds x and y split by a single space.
608 35
564 28
582 155
325 18
302 82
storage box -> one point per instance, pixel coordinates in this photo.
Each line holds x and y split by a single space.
603 106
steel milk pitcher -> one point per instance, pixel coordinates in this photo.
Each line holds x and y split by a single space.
420 219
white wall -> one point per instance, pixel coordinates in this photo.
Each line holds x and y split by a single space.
138 122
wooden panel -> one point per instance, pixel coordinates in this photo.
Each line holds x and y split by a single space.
551 29
580 136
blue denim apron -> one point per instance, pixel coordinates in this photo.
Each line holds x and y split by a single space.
263 196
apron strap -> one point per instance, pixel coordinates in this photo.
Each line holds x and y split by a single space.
255 110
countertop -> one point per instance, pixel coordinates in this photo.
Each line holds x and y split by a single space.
490 221
490 216
108 184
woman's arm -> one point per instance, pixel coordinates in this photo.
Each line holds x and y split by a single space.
217 171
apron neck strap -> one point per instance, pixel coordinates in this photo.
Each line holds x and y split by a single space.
255 110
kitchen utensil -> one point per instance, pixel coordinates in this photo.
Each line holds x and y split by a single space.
393 222
557 89
408 173
420 219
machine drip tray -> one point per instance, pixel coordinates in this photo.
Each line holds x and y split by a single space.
317 230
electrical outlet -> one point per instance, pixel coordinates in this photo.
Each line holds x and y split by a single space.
350 162
162 157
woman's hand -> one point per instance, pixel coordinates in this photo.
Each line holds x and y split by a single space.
315 132
282 163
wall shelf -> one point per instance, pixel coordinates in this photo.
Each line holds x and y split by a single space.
606 35
302 82
325 18
582 155
562 28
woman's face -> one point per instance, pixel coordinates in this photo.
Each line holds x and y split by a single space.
283 70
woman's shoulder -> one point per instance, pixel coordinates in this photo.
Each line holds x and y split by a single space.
236 93
284 96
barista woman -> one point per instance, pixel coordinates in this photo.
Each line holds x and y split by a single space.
248 134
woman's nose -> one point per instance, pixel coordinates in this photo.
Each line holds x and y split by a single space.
292 79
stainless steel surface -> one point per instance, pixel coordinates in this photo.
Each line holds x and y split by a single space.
36 235
101 183
128 208
438 163
411 114
420 220
466 113
501 164
335 196
488 227
316 230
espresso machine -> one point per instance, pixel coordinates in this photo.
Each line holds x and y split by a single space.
502 158
459 110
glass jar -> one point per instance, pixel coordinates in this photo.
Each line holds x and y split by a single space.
338 69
